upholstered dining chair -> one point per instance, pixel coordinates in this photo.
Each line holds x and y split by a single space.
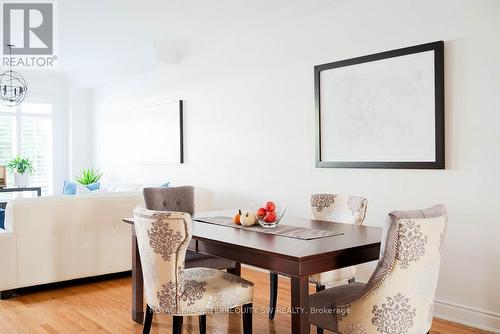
182 199
328 207
163 238
399 296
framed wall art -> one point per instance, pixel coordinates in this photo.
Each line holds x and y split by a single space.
384 110
157 133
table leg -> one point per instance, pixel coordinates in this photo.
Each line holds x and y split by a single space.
137 283
300 304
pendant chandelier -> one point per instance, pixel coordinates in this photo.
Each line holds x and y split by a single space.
13 87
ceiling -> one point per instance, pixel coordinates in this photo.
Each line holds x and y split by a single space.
99 40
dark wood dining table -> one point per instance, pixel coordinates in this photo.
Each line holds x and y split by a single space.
292 257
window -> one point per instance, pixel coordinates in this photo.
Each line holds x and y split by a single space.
27 130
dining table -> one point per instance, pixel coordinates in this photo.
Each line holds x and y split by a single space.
310 247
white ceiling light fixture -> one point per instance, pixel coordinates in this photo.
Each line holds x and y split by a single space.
166 52
13 87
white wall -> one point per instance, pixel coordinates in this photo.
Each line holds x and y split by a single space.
249 126
80 130
53 88
72 123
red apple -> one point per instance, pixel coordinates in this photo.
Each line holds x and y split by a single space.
270 217
270 207
261 213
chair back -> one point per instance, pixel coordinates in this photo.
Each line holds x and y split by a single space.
170 199
399 297
163 238
339 208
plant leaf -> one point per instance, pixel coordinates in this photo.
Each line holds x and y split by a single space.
89 176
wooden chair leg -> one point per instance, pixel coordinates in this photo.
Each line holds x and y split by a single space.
202 321
319 287
273 295
247 318
177 325
236 270
148 319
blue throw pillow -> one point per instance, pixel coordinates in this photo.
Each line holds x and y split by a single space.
69 188
165 185
2 217
93 186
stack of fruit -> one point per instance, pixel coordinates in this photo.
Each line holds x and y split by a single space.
267 214
245 218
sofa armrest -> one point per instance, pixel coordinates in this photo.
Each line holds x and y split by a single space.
8 266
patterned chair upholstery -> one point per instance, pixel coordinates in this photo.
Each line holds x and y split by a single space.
163 238
329 207
340 209
399 297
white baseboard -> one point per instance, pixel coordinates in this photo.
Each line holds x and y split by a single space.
461 314
468 316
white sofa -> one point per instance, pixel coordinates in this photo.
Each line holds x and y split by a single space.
59 238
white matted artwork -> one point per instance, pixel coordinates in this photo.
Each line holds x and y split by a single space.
157 133
382 111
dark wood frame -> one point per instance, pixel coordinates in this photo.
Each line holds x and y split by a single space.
181 124
439 162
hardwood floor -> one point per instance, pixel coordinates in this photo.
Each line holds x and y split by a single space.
104 307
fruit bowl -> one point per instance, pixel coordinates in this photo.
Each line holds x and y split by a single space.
279 213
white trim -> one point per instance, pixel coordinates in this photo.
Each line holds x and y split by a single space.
467 315
469 308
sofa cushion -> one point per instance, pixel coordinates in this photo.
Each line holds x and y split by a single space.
2 217
58 238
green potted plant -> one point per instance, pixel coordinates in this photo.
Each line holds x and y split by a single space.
89 176
22 169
